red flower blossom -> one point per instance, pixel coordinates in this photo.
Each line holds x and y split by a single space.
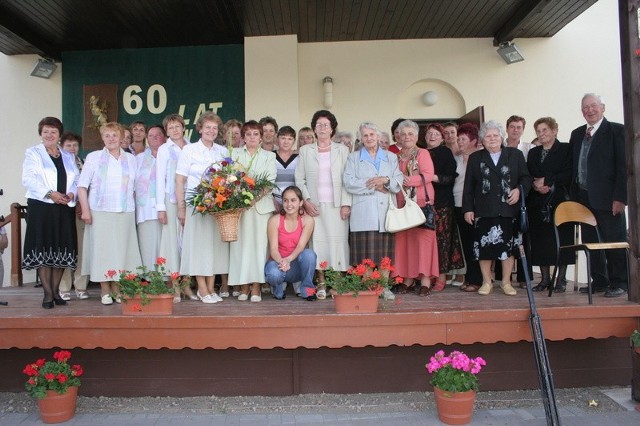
144 283
49 376
30 370
161 261
375 275
31 381
40 362
62 377
175 276
324 264
110 273
77 370
130 276
369 263
399 280
385 263
360 270
62 356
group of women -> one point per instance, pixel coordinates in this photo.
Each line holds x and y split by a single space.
328 205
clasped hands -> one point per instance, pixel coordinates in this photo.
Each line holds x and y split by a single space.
377 183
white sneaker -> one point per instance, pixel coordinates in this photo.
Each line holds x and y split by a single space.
235 293
224 294
106 300
209 299
216 297
82 294
387 295
256 298
242 297
296 287
65 295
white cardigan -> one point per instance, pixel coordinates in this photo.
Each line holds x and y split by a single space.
39 174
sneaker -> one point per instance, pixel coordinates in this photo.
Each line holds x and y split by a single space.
255 298
242 297
321 294
224 294
216 297
296 288
485 289
81 294
106 299
456 283
235 293
508 289
208 299
387 295
65 295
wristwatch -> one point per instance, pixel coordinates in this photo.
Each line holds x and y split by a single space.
48 195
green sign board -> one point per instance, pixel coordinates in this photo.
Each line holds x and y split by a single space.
149 84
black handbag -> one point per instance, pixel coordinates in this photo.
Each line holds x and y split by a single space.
524 217
428 209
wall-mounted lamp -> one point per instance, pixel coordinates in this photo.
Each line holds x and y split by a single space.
510 53
44 68
430 98
327 84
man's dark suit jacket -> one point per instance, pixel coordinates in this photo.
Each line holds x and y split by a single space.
606 169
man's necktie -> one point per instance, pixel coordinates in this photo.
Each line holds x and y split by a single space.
588 135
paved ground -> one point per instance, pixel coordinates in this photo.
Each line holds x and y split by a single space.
608 406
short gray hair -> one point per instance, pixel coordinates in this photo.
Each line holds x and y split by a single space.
408 123
489 125
339 135
592 95
371 126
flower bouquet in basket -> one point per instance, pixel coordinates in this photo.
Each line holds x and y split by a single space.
57 375
144 283
225 191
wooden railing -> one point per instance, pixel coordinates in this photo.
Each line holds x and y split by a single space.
18 212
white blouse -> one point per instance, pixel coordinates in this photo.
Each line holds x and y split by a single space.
194 160
166 163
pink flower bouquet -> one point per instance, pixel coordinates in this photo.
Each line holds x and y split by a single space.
455 372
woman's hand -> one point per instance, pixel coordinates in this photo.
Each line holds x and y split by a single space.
162 217
311 208
182 213
345 212
514 196
469 217
377 183
284 265
86 217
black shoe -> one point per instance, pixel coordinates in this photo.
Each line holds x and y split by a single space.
311 298
47 305
59 301
544 284
615 292
37 285
594 290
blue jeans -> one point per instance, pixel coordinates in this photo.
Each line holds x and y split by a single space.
302 269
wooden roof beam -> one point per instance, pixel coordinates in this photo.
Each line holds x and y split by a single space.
12 22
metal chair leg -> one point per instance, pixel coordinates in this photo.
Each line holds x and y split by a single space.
589 288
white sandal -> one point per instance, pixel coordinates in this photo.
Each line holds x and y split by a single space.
321 294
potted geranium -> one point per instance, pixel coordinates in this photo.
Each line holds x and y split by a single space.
146 292
635 341
55 384
455 383
359 288
225 191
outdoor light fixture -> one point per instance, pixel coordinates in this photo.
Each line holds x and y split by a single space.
510 53
327 84
44 68
430 98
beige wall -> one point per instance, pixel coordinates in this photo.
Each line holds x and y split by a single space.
375 81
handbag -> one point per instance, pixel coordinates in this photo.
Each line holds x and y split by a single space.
524 217
428 209
401 218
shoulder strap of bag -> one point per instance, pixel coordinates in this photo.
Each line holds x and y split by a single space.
424 185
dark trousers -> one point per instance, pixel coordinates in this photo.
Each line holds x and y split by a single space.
467 236
612 270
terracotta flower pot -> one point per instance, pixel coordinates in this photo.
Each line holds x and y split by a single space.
58 408
364 303
455 408
161 304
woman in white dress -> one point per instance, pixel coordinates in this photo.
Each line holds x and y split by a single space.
105 192
319 177
252 243
204 254
166 201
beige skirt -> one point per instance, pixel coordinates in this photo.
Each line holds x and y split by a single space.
169 248
203 252
110 243
149 233
249 252
330 239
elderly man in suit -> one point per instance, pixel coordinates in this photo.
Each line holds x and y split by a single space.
599 181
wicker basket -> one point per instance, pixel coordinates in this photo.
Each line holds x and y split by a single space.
227 221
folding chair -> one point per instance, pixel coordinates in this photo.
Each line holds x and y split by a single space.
571 212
